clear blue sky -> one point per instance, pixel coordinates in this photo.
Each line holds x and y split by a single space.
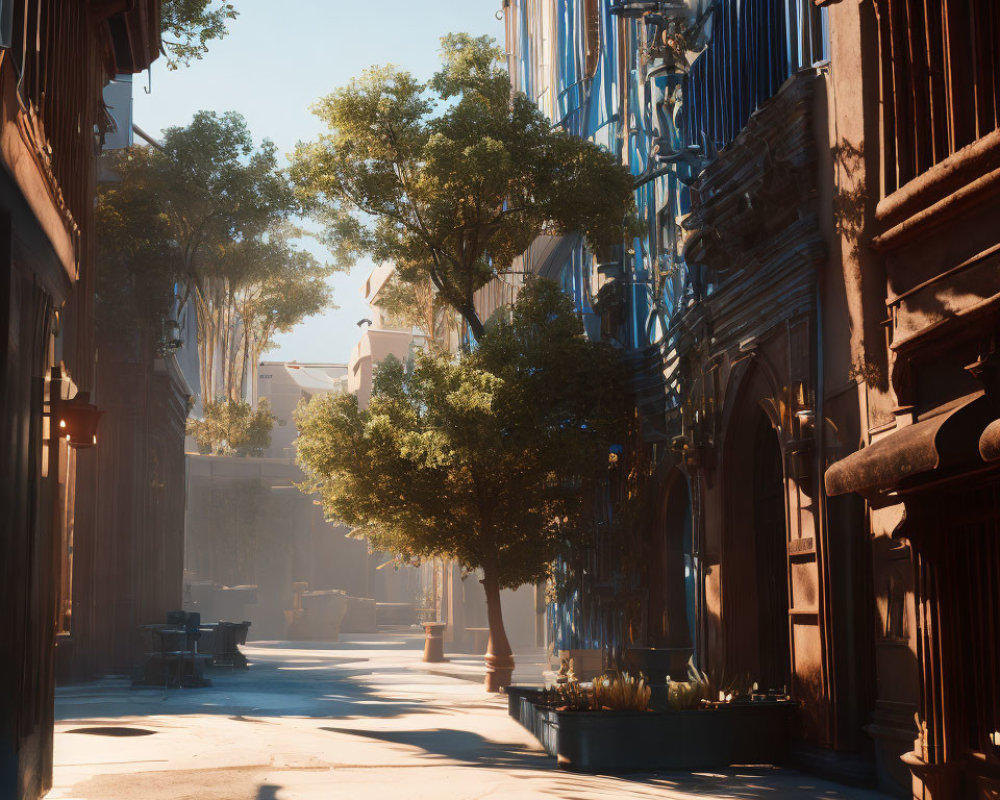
276 61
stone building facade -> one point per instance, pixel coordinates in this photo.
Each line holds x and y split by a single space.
56 58
922 120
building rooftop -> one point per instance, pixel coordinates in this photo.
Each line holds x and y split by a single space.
309 376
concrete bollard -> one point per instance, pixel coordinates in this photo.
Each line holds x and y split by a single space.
434 643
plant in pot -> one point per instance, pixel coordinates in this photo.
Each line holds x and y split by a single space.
621 692
608 726
707 691
610 692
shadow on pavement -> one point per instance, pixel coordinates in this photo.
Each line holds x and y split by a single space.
460 747
293 679
764 783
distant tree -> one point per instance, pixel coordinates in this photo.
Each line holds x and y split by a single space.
453 179
187 26
233 428
486 458
417 305
260 286
207 217
138 271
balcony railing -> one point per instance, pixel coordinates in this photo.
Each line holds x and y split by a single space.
57 83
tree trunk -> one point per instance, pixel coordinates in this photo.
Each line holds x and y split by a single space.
241 375
233 387
499 657
211 342
471 316
213 346
225 346
202 364
206 343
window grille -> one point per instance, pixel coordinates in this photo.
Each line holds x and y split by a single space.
940 77
53 51
755 46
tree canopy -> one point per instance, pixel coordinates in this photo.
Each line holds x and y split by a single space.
187 27
485 457
452 179
208 216
233 428
137 266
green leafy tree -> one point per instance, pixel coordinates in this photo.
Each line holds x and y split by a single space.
187 27
137 268
208 217
485 458
452 179
233 428
262 286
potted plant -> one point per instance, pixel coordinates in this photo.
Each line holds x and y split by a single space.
609 725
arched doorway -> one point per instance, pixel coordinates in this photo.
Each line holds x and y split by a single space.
755 558
673 579
770 545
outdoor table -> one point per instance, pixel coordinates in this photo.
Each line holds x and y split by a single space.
177 657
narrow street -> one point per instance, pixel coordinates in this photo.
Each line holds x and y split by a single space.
647 351
361 718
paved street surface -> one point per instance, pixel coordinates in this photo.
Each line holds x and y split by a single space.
361 718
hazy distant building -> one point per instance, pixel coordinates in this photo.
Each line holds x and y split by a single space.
285 384
123 561
381 337
250 526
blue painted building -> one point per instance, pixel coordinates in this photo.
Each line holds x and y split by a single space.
730 308
664 86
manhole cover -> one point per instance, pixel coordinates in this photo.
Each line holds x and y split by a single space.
113 731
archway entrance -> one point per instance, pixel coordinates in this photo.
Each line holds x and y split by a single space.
755 571
672 585
771 557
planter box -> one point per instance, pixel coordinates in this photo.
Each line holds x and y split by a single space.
624 741
540 721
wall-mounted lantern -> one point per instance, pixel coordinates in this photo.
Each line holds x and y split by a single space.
76 420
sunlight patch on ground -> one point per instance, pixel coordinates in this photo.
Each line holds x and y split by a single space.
307 724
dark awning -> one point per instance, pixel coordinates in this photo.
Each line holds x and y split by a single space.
989 442
945 440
